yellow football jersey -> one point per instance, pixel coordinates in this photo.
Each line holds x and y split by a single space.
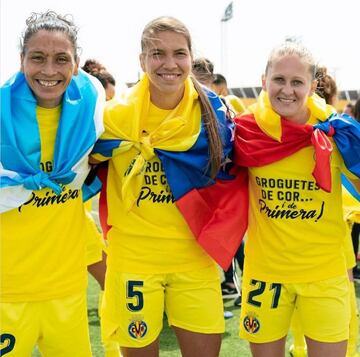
153 236
43 240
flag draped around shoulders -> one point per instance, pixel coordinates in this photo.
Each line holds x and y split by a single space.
263 137
213 208
79 127
350 188
351 200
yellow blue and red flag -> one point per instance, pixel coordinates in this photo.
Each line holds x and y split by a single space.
214 209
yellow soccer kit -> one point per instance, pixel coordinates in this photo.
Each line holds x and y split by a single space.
293 239
267 309
153 236
296 230
43 241
153 258
58 326
350 206
295 251
43 265
134 304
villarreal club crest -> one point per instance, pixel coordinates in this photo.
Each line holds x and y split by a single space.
137 329
251 323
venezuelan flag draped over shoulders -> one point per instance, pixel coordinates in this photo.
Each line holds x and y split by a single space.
210 207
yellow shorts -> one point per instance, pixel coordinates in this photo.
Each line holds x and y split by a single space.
59 327
134 304
323 309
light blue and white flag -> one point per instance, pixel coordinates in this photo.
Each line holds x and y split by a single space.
80 125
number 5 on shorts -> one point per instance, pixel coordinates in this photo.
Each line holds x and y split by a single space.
260 290
132 293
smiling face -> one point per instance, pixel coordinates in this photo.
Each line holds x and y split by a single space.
289 83
48 63
167 61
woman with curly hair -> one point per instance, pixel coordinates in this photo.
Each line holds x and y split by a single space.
51 116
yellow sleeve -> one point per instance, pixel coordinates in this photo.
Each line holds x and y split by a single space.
236 103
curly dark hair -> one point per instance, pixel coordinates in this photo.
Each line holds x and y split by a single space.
92 66
326 87
98 70
49 21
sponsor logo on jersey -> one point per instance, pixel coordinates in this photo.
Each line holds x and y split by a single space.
137 329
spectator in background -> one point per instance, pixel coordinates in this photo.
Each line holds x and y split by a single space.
203 70
220 87
357 110
349 109
326 86
97 70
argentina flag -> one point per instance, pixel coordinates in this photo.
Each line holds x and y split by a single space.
81 123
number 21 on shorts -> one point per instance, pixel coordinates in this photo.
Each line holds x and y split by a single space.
254 297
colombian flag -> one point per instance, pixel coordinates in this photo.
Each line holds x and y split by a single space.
263 137
215 209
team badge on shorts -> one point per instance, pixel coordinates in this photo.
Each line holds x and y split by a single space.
251 324
137 329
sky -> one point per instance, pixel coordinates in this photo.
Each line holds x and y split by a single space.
110 31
